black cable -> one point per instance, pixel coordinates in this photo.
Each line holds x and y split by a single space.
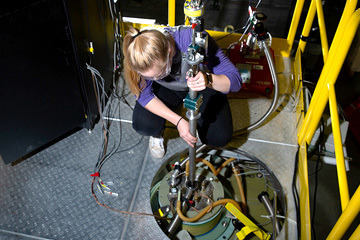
115 149
319 141
109 133
122 98
295 193
317 149
314 198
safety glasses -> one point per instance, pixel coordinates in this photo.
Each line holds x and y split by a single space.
163 74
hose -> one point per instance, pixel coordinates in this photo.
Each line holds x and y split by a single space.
224 165
276 93
217 171
205 210
241 189
207 163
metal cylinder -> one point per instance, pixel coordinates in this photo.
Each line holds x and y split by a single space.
192 150
177 220
199 149
264 199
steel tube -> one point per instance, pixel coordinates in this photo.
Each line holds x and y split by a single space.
350 6
307 25
276 93
347 217
339 153
264 199
294 25
274 218
336 59
177 220
356 234
322 29
171 13
192 150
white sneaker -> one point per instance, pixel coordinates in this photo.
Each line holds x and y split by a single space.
156 146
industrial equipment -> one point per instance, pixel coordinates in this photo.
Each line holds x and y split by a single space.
250 60
193 193
255 61
227 178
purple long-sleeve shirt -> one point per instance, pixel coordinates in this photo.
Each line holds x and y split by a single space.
217 63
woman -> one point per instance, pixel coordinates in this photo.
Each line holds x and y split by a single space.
155 71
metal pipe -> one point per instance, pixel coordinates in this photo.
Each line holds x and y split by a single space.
307 25
199 149
174 224
339 153
276 229
192 116
346 217
193 43
171 13
264 199
322 29
192 150
294 25
356 234
329 75
338 39
276 93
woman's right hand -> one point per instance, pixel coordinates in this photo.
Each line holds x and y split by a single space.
184 132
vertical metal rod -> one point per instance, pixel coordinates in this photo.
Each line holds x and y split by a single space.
322 29
171 13
275 227
192 150
339 153
264 199
192 122
347 217
294 25
193 37
201 148
177 220
307 25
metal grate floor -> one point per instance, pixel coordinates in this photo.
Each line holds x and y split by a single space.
48 196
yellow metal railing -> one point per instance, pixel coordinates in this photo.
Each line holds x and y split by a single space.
315 6
324 94
293 27
171 13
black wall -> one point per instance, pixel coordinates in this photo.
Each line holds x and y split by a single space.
45 90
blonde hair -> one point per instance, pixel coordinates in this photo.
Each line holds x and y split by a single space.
141 51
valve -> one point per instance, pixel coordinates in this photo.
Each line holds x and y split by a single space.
194 8
258 31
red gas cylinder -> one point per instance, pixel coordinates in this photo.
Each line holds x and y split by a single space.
254 69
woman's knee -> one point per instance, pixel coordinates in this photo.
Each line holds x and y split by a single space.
216 138
148 128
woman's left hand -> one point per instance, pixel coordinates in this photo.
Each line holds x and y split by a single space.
198 82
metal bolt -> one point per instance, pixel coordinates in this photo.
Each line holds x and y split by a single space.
225 223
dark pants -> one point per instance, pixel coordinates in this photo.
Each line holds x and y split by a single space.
214 126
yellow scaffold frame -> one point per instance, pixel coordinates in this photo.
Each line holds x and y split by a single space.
325 93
